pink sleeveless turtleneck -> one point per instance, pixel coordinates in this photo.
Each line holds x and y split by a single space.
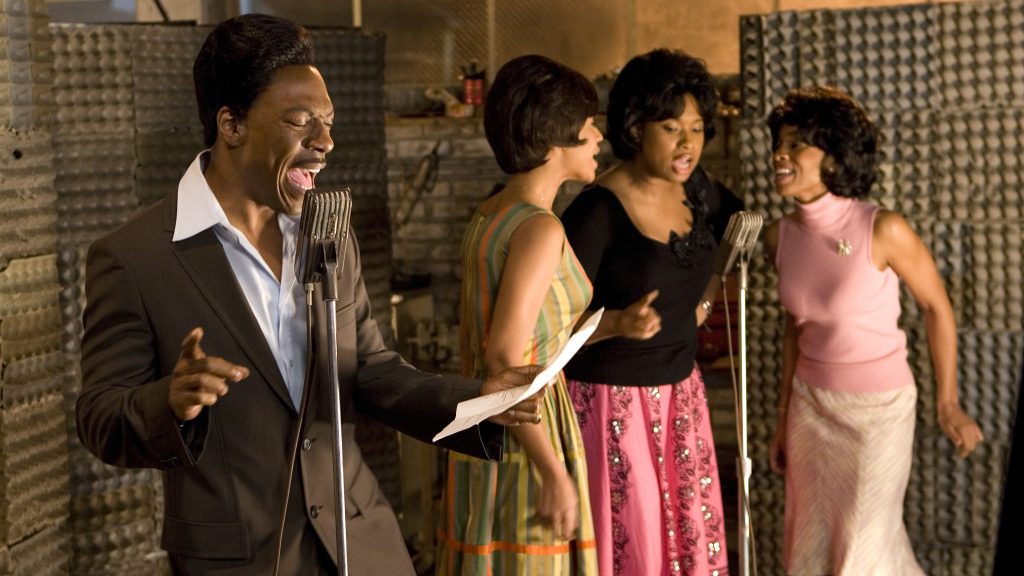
846 310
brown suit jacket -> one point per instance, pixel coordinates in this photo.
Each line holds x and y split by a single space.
225 473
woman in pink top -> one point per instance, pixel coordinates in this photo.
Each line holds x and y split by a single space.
846 412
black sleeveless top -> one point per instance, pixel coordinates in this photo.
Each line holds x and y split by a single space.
624 265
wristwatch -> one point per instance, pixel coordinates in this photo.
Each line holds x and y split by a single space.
707 306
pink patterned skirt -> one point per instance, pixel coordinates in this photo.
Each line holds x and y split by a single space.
653 477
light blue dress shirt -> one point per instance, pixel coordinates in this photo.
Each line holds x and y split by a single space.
278 306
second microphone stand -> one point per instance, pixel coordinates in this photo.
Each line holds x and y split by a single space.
743 462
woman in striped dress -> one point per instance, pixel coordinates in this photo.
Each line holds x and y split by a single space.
522 293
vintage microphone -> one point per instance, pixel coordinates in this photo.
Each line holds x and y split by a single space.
322 242
738 241
737 245
323 231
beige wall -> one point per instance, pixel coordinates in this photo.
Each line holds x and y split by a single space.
709 30
592 41
201 11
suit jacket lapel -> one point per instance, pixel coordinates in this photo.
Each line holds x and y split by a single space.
203 258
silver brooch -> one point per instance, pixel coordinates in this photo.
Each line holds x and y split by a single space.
844 248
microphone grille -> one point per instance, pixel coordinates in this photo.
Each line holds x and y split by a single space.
744 228
325 213
324 222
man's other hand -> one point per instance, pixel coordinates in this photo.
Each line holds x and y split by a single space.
525 412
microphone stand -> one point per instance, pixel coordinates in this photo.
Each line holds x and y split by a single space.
329 284
743 461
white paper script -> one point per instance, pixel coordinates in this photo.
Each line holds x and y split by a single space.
472 412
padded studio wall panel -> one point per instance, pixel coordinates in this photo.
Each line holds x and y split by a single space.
71 298
781 57
919 512
162 157
352 64
752 66
33 459
96 168
93 84
885 57
980 54
783 50
977 169
27 196
161 64
33 448
906 140
95 183
129 125
29 331
34 466
375 250
943 83
816 47
168 133
756 167
987 363
994 277
26 66
946 241
94 139
116 516
42 554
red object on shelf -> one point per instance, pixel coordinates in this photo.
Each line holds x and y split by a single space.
473 91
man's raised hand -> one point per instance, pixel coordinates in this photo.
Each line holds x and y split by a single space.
200 380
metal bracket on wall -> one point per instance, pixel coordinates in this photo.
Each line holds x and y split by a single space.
413 189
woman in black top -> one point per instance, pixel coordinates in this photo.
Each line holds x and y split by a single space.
648 244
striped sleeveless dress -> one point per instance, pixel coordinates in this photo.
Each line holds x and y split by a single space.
490 522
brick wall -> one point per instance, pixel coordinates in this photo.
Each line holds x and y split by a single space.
427 228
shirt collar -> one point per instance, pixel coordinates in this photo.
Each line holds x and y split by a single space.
198 208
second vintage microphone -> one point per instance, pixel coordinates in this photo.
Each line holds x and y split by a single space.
739 238
323 230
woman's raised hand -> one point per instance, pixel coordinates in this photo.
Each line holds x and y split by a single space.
640 320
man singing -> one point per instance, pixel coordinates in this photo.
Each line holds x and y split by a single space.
195 349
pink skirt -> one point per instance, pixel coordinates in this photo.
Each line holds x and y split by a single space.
653 478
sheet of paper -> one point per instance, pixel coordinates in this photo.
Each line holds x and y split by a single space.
474 411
